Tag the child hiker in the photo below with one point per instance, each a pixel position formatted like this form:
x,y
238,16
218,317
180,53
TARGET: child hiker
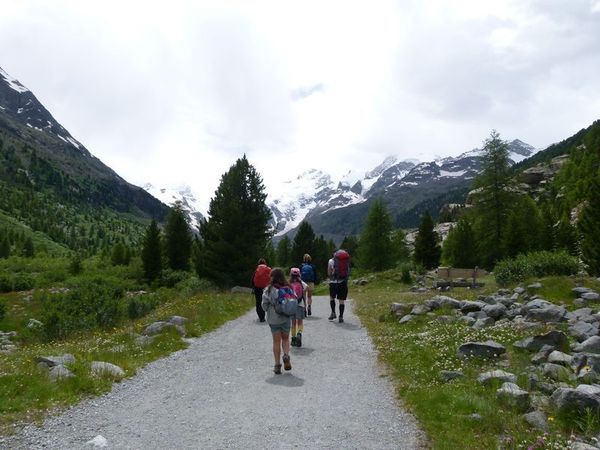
x,y
300,288
280,324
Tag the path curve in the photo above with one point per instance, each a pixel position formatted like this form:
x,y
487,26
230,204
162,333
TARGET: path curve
x,y
221,393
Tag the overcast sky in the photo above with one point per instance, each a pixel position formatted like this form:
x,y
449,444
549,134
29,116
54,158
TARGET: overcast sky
x,y
174,91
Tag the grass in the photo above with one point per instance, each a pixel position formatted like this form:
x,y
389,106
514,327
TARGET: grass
x,y
462,413
26,394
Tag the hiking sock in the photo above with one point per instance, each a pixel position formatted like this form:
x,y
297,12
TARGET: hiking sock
x,y
342,307
301,328
294,329
332,304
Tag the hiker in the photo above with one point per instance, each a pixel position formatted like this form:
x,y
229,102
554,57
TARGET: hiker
x,y
280,324
260,280
300,288
338,270
308,272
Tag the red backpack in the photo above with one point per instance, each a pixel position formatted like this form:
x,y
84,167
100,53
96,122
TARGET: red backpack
x,y
341,264
262,276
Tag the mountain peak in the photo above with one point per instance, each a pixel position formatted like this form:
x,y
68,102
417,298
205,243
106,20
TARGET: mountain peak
x,y
12,83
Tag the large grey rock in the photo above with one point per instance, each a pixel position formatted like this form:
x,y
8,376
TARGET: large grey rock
x,y
590,296
590,345
467,320
568,400
557,372
519,290
490,377
447,302
487,349
557,357
104,368
34,324
160,326
241,290
142,341
555,338
406,318
52,361
582,331
484,323
469,306
581,290
583,314
477,315
449,375
548,314
495,311
537,304
59,372
513,395
401,309
582,446
420,310
537,419
178,320
542,356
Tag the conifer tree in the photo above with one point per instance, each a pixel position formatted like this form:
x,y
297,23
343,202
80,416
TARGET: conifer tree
x,y
375,245
304,242
494,201
523,229
427,250
459,248
269,252
589,227
178,239
566,235
237,230
350,244
117,256
151,252
320,257
4,247
28,249
284,251
401,251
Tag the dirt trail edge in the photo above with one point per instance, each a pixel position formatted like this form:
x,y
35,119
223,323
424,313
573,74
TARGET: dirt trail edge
x,y
221,393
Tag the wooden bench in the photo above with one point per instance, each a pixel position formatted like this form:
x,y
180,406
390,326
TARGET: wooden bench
x,y
456,277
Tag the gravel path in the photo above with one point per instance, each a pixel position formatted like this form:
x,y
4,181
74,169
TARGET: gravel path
x,y
221,393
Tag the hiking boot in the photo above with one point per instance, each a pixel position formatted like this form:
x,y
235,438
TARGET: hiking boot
x,y
332,316
299,340
294,341
277,369
341,319
287,365
305,313
308,311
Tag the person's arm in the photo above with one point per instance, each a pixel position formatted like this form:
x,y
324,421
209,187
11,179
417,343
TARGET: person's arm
x,y
266,299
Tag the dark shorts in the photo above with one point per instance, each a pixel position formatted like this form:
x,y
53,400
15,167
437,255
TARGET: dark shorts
x,y
339,290
281,328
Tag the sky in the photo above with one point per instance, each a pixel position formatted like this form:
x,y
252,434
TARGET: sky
x,y
174,92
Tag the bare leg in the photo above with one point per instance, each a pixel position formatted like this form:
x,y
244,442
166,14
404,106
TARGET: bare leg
x,y
309,296
277,347
284,338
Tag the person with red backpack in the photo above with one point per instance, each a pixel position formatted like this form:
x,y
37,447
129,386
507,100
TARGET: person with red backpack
x,y
260,280
300,288
338,270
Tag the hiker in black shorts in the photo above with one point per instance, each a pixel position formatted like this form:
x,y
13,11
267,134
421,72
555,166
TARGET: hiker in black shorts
x,y
338,269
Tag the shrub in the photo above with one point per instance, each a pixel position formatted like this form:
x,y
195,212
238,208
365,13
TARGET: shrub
x,y
405,276
92,304
141,305
169,278
192,285
2,309
5,283
536,264
22,282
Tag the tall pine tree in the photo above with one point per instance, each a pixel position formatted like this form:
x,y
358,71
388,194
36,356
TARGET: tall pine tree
x,y
459,247
589,226
375,245
304,242
151,252
427,249
178,239
284,252
237,229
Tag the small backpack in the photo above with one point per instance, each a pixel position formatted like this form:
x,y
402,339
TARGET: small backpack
x,y
307,272
341,264
262,276
286,304
298,290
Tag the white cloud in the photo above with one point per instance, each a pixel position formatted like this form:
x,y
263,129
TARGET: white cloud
x,y
173,92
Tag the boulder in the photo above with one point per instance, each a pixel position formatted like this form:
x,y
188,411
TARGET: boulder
x,y
487,349
590,345
580,290
537,419
542,356
104,368
514,396
447,302
584,314
401,309
582,331
495,311
420,310
557,357
449,375
59,372
469,321
34,324
590,296
477,315
52,361
241,290
555,338
406,318
569,400
493,376
484,323
538,303
556,372
142,341
178,320
519,290
468,306
160,326
537,285
582,446
548,314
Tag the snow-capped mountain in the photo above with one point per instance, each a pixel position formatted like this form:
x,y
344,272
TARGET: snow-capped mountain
x,y
182,194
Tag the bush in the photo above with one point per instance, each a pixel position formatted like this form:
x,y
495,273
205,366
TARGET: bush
x,y
405,276
536,264
92,304
192,285
16,282
141,305
169,278
2,309
5,283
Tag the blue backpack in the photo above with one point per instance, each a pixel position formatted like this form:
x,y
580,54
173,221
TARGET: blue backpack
x,y
307,272
286,304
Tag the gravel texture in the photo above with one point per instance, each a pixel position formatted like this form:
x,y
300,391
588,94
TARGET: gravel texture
x,y
221,393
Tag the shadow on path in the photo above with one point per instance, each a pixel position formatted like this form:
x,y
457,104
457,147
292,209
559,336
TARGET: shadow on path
x,y
287,380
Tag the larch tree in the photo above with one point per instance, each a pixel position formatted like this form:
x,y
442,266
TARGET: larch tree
x,y
152,252
375,248
589,227
427,248
178,239
304,242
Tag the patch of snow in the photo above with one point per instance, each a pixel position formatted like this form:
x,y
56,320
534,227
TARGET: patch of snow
x,y
29,125
20,111
62,138
183,194
2,107
445,173
13,83
73,142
